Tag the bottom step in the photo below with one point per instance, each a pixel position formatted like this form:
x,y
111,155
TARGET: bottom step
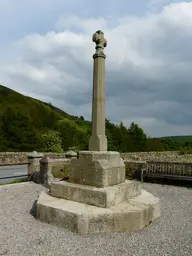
x,y
87,219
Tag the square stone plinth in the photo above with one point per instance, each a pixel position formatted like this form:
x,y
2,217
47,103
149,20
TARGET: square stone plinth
x,y
101,197
97,168
86,219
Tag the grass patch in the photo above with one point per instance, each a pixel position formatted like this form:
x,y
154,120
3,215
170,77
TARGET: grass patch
x,y
14,181
59,174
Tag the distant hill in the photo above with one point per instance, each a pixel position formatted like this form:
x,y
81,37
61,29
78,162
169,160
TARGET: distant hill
x,y
29,124
179,139
24,120
175,143
8,96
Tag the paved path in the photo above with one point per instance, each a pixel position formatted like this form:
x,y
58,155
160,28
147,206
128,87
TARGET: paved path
x,y
8,173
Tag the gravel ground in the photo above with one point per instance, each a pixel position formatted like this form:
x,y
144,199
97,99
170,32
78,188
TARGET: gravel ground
x,y
21,234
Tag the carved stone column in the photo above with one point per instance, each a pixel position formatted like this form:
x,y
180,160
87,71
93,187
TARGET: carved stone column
x,y
98,140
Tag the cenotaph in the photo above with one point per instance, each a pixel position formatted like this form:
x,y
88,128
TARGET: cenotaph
x,y
97,197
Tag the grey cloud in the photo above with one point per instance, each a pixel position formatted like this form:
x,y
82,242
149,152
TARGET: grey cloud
x,y
152,84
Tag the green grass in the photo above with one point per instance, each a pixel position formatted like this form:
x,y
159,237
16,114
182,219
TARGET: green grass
x,y
61,173
14,181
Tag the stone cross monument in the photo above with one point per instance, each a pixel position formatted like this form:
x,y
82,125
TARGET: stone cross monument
x,y
98,140
97,197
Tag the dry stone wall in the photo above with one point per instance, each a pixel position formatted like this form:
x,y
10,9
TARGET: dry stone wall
x,y
21,157
170,163
166,156
13,157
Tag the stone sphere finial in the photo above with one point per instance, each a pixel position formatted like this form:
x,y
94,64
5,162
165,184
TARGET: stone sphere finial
x,y
100,41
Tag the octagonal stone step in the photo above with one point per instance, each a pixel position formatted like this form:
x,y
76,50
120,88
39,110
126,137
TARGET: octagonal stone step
x,y
86,219
101,197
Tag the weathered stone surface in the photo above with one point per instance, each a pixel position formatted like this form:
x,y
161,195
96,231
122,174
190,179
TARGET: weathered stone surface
x,y
33,160
146,198
45,174
101,197
35,154
98,139
164,156
85,219
100,169
71,153
64,213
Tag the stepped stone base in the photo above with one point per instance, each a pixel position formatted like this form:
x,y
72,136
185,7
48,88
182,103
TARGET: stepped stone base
x,y
85,219
97,198
101,197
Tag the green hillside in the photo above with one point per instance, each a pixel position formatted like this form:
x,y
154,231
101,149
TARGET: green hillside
x,y
183,144
28,124
179,139
24,120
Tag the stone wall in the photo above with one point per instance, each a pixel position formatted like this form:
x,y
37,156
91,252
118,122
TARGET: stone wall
x,y
21,157
167,156
170,163
13,157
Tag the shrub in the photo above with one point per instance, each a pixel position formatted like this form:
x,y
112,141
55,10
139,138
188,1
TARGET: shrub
x,y
52,142
184,151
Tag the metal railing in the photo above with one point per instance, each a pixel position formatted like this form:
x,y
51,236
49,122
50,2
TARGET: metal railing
x,y
14,164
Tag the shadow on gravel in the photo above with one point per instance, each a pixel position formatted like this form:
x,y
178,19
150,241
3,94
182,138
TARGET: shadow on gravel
x,y
178,183
33,209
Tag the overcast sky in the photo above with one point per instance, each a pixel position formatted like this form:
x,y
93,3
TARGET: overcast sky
x,y
46,52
